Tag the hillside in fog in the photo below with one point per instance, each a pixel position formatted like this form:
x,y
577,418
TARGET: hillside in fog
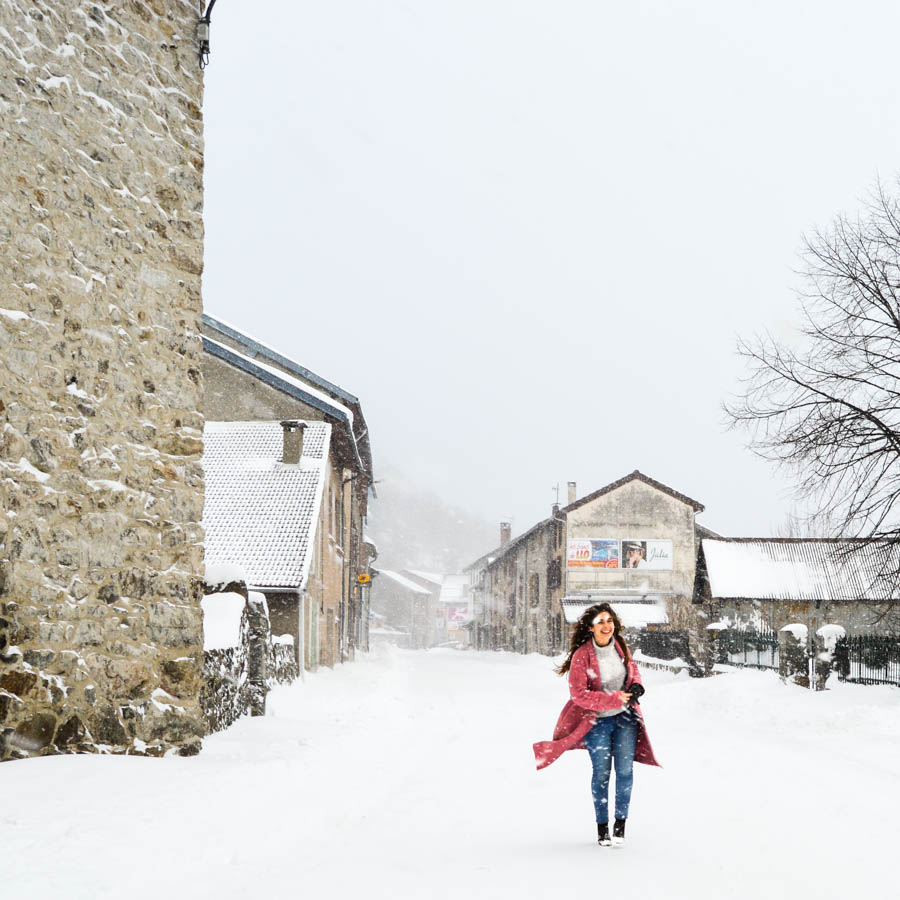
x,y
417,529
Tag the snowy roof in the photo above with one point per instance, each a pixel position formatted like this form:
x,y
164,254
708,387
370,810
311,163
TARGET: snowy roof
x,y
259,513
453,589
426,576
799,569
260,348
631,614
406,583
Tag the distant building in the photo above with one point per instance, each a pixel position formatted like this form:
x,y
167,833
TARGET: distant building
x,y
453,619
632,542
402,603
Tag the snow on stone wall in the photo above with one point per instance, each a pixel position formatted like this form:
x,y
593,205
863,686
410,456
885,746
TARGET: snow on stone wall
x,y
101,489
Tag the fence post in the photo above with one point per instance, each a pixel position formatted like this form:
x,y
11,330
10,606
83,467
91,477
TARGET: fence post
x,y
827,638
793,659
712,646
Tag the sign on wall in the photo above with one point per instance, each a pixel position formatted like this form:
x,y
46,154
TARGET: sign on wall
x,y
641,554
610,553
602,553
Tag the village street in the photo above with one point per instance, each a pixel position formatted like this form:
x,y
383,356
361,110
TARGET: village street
x,y
410,773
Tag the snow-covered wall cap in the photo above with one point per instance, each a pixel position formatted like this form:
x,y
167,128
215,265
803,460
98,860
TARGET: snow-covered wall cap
x,y
222,621
258,598
223,573
830,635
717,626
836,631
798,630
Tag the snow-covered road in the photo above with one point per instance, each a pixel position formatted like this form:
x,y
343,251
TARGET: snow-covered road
x,y
410,774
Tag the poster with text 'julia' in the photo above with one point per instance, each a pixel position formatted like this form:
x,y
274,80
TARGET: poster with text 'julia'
x,y
638,553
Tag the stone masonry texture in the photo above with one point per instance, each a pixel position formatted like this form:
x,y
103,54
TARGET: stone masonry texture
x,y
101,486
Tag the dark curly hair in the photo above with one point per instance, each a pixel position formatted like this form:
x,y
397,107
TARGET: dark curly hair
x,y
581,632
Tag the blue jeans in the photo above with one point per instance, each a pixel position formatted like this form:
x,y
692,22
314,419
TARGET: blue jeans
x,y
612,738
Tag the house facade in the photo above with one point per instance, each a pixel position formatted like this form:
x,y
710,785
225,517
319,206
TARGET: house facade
x,y
632,542
406,604
245,381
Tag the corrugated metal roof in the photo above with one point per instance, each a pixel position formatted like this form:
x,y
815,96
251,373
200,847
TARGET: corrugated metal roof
x,y
259,513
799,569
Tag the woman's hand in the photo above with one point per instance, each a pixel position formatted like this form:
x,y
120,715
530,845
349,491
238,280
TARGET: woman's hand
x,y
624,697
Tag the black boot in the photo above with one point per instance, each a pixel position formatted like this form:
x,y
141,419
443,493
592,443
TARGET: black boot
x,y
618,834
603,838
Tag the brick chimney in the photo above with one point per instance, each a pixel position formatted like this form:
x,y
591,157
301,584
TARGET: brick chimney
x,y
571,492
292,445
505,533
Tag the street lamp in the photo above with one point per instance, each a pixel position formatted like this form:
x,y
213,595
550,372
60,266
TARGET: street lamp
x,y
203,35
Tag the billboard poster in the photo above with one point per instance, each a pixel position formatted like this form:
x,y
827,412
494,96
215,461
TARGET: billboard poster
x,y
600,553
643,554
611,553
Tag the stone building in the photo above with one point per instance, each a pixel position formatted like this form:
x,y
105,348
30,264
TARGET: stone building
x,y
270,511
769,583
246,381
101,488
632,541
406,604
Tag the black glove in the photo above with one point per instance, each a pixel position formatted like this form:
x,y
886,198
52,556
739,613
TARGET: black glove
x,y
636,691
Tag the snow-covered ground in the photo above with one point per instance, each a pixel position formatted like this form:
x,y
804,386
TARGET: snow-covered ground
x,y
410,774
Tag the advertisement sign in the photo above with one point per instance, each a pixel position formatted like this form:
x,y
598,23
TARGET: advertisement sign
x,y
600,553
642,554
609,553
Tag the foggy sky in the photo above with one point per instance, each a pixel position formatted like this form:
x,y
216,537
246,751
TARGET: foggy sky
x,y
527,234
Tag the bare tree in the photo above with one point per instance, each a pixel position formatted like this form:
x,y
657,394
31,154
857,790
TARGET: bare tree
x,y
829,409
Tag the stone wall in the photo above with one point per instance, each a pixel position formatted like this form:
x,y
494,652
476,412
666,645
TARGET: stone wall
x,y
237,676
101,488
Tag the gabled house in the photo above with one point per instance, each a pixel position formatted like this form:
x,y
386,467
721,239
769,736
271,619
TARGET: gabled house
x,y
244,381
268,510
403,603
633,541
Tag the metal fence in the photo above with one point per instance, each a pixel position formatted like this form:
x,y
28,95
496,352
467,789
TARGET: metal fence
x,y
662,644
755,648
868,659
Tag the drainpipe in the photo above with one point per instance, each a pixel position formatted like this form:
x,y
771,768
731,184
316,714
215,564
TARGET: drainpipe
x,y
346,541
301,631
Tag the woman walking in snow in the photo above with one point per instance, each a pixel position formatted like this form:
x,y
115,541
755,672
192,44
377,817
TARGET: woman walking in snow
x,y
603,715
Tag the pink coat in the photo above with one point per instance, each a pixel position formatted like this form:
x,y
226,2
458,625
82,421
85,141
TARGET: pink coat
x,y
588,698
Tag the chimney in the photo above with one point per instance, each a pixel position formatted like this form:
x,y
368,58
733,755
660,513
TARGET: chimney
x,y
505,533
554,510
292,446
571,492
